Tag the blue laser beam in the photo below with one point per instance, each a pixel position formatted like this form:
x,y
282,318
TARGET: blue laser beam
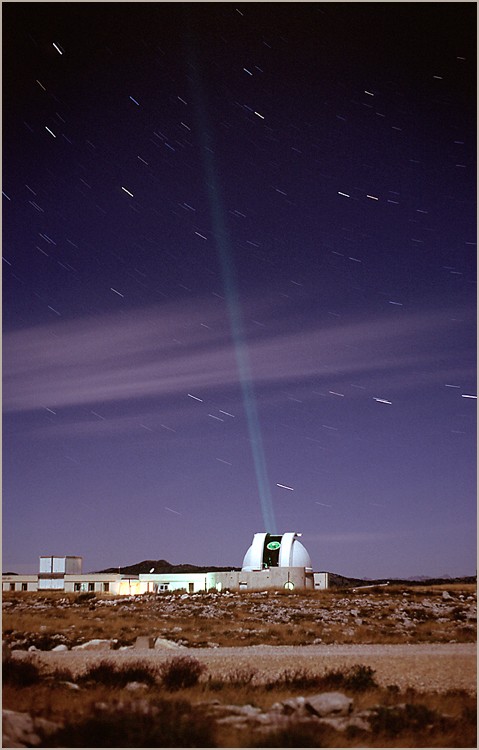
x,y
225,256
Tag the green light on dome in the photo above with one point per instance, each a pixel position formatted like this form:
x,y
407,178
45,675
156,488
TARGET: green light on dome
x,y
273,545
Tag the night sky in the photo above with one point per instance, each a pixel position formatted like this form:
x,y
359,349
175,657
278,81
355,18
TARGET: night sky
x,y
239,251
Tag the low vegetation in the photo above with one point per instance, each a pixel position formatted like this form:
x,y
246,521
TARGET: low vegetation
x,y
393,614
118,676
106,715
179,703
168,723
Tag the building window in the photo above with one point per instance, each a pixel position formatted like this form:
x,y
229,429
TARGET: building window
x,y
191,588
163,587
24,587
77,587
91,587
106,587
12,587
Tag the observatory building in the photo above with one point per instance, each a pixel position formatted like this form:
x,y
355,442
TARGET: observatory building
x,y
273,561
277,551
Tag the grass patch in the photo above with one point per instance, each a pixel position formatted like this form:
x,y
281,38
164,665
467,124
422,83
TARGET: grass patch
x,y
181,672
118,676
392,720
357,678
20,674
166,724
296,735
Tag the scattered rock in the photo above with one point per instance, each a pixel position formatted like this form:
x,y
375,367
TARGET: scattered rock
x,y
165,643
60,647
325,704
290,706
22,730
97,644
135,686
446,595
70,685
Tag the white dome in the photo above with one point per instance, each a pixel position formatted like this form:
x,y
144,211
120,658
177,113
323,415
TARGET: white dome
x,y
276,550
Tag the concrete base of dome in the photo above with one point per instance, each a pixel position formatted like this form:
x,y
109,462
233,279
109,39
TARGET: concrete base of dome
x,y
268,578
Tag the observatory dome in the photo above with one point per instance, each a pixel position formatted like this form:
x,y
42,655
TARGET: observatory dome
x,y
276,551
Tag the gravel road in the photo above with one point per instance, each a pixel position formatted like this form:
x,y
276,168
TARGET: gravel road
x,y
437,666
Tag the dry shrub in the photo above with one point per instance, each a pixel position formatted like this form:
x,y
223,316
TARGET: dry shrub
x,y
295,735
294,679
394,720
59,675
167,724
20,674
357,678
118,676
181,672
241,676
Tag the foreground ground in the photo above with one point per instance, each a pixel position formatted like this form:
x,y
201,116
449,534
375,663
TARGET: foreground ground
x,y
432,667
402,662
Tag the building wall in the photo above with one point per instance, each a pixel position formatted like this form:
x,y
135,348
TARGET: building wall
x,y
56,564
19,583
279,578
99,583
321,580
46,583
189,582
269,578
116,584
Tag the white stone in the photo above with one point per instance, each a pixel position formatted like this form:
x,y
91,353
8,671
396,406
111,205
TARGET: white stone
x,y
60,647
294,705
21,730
165,643
325,704
134,686
97,644
70,685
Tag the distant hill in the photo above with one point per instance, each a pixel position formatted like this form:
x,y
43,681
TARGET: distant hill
x,y
339,581
163,566
335,579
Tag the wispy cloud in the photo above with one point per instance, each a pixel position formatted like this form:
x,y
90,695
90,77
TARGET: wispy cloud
x,y
165,351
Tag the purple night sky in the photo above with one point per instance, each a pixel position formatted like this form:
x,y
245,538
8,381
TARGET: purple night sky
x,y
239,283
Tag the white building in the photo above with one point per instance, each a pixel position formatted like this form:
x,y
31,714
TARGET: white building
x,y
273,561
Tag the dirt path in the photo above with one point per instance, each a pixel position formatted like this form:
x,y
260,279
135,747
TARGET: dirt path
x,y
438,667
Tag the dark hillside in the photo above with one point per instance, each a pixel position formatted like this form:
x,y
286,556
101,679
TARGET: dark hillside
x,y
335,579
163,566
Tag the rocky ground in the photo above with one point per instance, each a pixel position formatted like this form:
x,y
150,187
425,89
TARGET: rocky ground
x,y
206,620
418,642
